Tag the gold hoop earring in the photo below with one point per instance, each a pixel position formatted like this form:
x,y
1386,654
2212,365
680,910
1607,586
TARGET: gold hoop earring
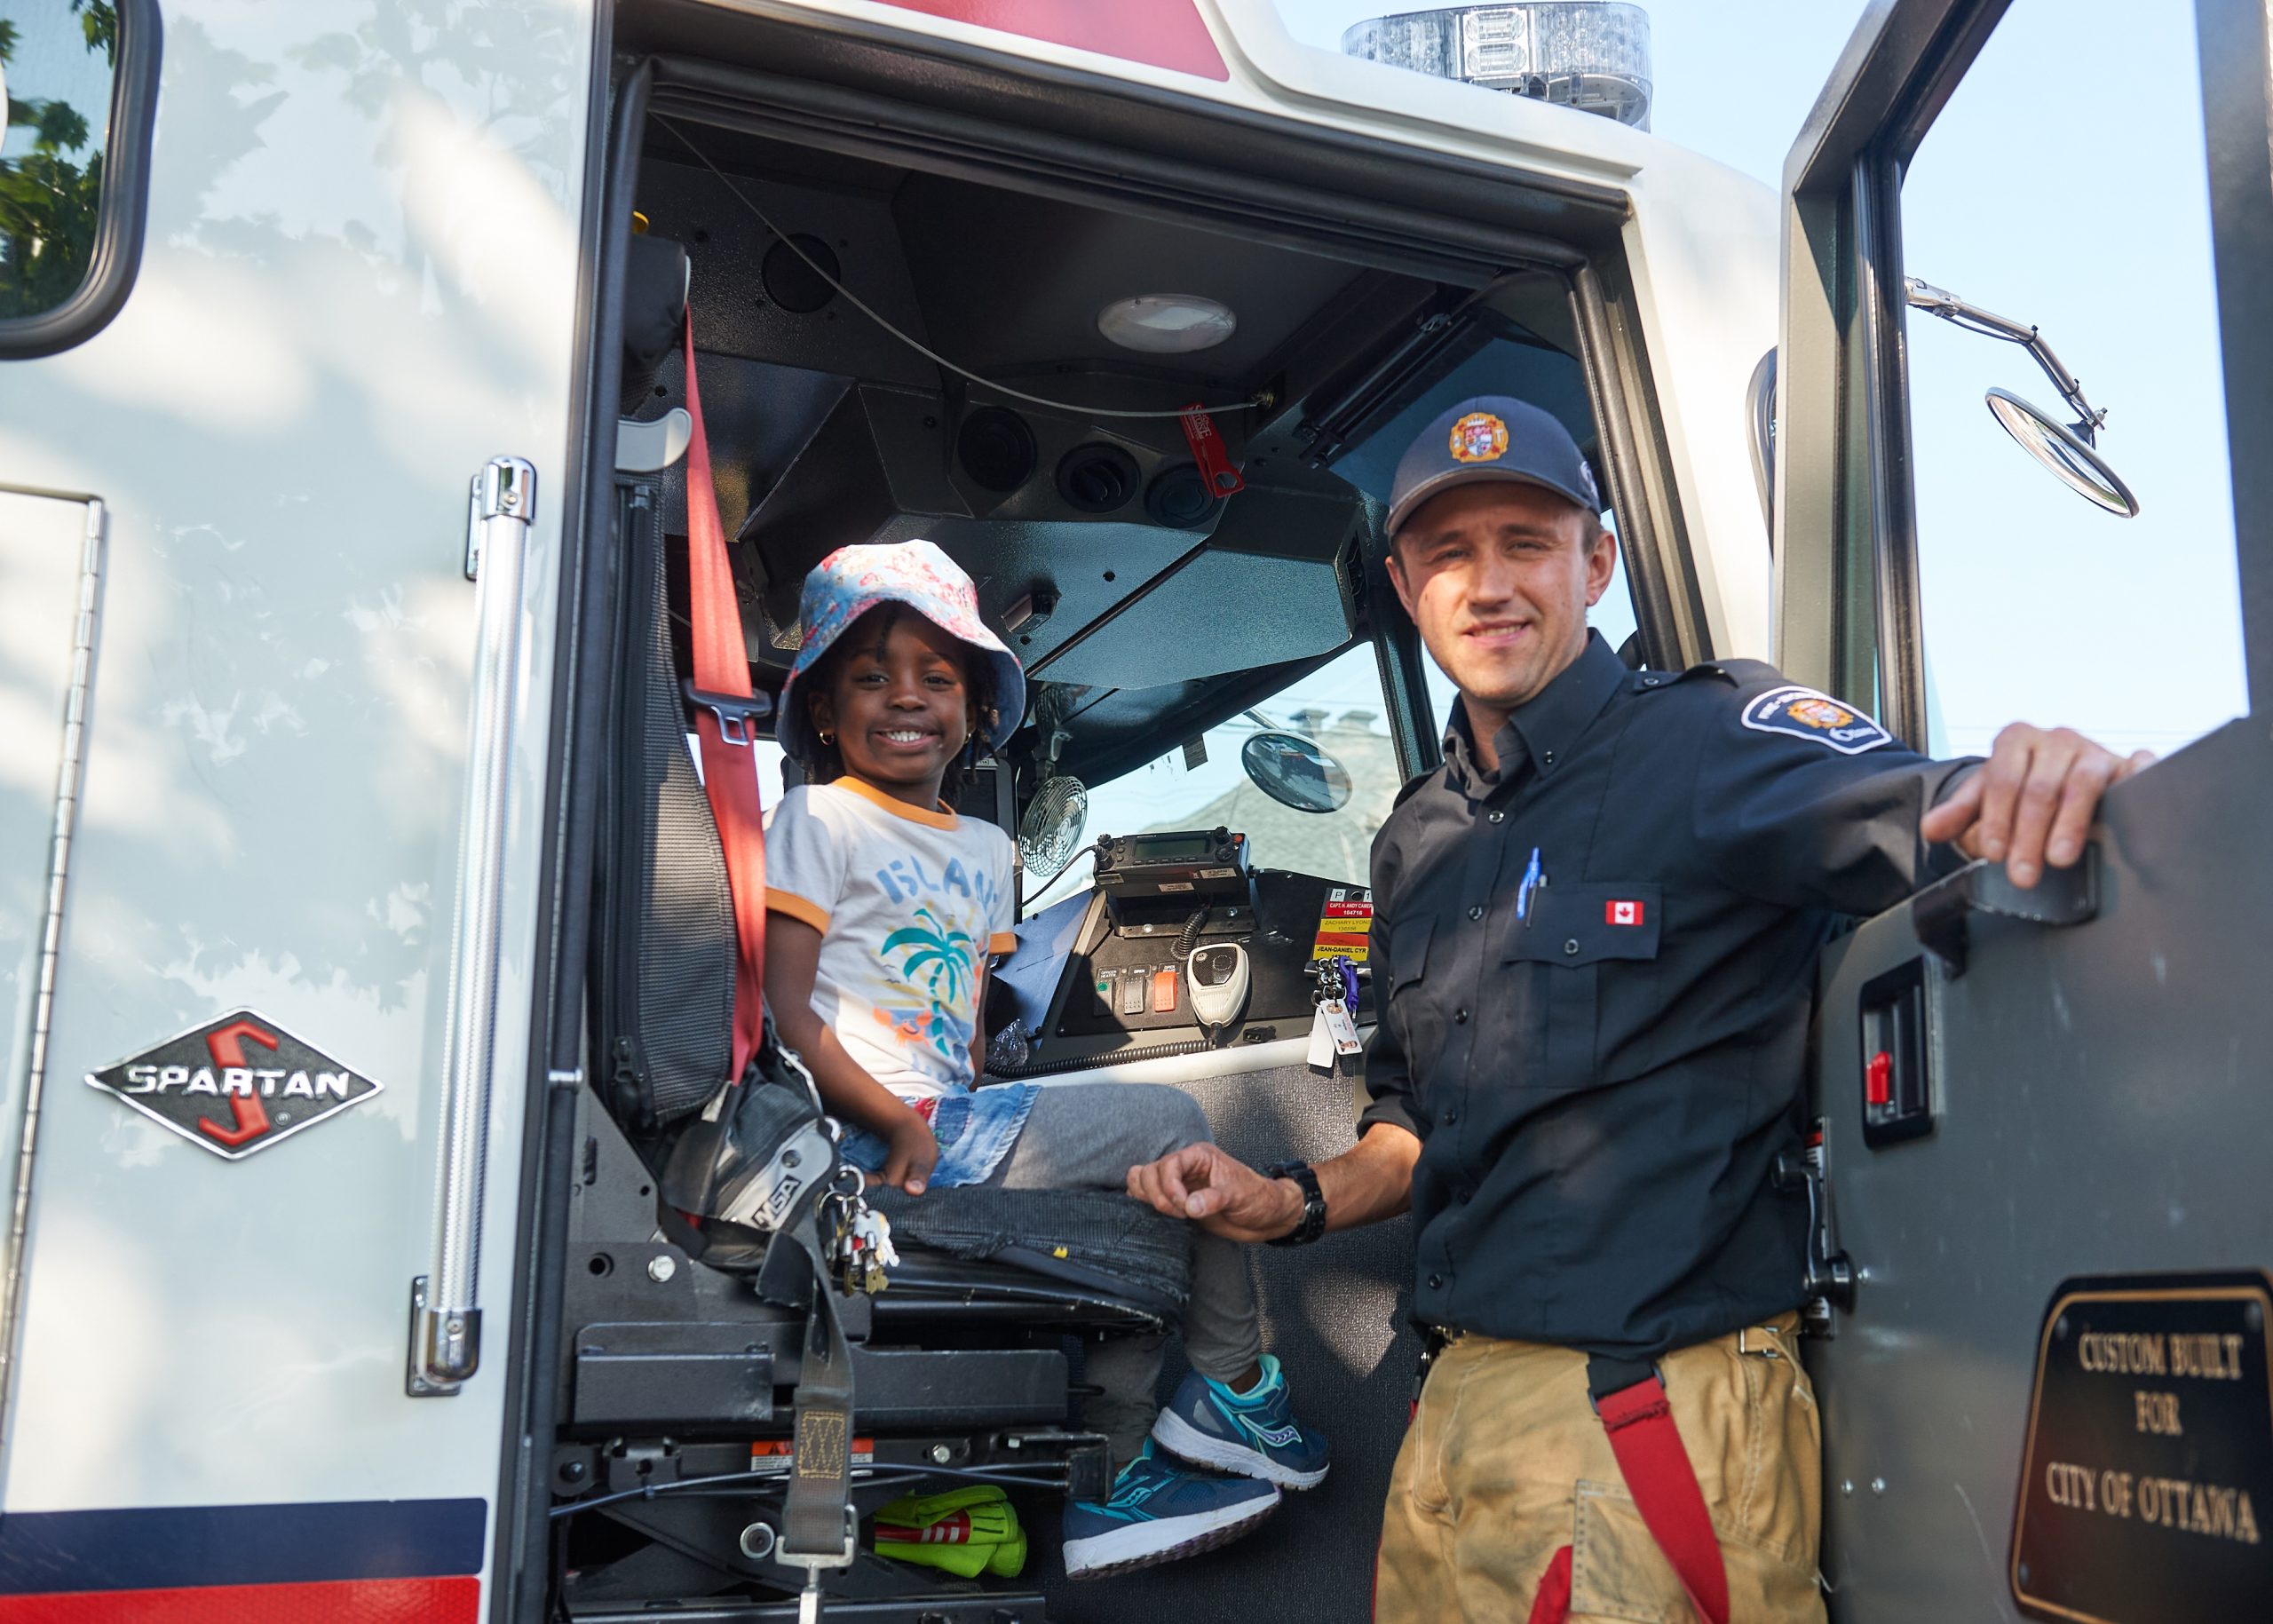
x,y
828,740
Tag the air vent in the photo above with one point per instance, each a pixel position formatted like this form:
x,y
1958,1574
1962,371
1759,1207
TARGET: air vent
x,y
1179,498
790,279
1096,477
995,448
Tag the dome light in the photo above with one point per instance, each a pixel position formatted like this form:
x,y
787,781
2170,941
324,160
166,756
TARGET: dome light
x,y
1589,54
1167,323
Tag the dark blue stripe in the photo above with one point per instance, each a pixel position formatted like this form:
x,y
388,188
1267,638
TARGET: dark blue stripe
x,y
158,1546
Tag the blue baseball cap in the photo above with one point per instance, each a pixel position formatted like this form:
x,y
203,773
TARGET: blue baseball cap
x,y
1491,437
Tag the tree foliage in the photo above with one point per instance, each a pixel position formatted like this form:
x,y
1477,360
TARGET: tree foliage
x,y
51,196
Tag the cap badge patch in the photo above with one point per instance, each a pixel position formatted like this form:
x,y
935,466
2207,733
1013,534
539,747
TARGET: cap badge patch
x,y
235,1085
1805,714
1480,437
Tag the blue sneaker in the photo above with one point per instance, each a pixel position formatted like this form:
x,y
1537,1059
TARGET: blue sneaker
x,y
1253,1433
1159,1511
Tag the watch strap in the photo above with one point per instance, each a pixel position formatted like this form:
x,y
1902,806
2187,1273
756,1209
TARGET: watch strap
x,y
1311,1224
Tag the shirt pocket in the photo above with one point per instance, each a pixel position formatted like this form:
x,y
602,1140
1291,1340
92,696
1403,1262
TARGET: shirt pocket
x,y
1573,937
1402,1002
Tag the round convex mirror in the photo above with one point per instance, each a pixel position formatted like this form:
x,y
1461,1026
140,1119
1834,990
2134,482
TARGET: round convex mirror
x,y
2059,448
1294,772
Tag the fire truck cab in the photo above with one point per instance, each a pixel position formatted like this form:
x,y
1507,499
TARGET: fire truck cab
x,y
344,648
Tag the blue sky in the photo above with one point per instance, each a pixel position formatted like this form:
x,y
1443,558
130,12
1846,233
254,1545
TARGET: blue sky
x,y
2063,186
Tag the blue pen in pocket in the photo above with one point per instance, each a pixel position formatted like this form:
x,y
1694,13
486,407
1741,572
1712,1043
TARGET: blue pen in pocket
x,y
1534,876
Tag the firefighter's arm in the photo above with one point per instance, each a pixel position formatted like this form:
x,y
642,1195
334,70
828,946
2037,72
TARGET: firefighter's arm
x,y
1371,1181
2032,802
792,956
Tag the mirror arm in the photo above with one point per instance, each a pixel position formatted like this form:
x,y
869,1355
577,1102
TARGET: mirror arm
x,y
1961,312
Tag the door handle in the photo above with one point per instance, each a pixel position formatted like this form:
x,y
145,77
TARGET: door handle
x,y
1939,913
446,1311
1829,1282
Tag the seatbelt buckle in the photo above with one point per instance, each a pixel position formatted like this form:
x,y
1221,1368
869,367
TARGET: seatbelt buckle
x,y
809,1599
733,710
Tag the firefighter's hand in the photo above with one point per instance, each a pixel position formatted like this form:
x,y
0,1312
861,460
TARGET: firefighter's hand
x,y
2032,802
910,1154
1219,1192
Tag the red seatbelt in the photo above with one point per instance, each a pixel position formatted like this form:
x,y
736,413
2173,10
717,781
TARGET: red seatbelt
x,y
729,765
1657,1474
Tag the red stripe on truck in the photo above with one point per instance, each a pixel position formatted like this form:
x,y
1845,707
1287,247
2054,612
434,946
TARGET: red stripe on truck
x,y
344,1601
1160,33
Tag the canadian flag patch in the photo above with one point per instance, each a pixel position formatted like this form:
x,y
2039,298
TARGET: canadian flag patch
x,y
1622,913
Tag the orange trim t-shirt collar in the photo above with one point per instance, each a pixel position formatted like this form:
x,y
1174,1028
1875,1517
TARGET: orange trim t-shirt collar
x,y
943,819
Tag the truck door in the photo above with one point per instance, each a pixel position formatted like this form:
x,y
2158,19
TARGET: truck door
x,y
276,284
2045,1214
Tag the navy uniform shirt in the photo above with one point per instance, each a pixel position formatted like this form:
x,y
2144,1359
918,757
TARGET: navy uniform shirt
x,y
1601,1087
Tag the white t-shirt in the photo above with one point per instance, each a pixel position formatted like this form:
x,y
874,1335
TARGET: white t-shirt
x,y
909,903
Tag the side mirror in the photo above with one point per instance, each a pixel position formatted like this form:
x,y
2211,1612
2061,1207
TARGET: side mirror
x,y
1294,772
2059,447
2069,450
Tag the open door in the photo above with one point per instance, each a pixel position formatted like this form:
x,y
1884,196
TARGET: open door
x,y
2047,1221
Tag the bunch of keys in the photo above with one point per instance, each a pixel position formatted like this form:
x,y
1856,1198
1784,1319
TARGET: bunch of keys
x,y
859,1239
1333,1033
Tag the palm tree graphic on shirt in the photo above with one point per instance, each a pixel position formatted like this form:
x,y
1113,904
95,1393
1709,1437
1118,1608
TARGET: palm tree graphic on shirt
x,y
934,958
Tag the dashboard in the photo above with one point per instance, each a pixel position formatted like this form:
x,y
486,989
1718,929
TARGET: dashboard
x,y
1111,975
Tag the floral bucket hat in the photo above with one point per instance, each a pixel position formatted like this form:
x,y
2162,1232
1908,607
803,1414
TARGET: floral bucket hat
x,y
851,582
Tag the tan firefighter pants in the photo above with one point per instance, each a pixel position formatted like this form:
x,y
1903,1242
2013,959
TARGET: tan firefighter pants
x,y
1506,1463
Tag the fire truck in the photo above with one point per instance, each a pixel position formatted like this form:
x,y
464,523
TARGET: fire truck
x,y
346,663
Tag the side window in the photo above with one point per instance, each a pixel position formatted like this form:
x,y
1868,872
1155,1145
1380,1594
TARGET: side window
x,y
80,78
2037,603
1339,709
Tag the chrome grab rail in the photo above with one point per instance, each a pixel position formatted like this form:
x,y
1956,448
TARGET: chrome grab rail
x,y
445,1313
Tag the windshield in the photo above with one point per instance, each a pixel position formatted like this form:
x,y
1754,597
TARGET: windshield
x,y
1339,706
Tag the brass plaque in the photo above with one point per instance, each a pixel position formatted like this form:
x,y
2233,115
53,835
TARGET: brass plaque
x,y
2147,1481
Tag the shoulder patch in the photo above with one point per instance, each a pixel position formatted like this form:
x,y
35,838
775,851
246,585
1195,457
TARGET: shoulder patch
x,y
1817,718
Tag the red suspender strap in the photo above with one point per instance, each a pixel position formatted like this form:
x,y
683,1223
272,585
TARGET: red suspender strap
x,y
1664,1485
729,765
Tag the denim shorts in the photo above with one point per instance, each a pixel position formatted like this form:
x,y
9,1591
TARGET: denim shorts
x,y
975,1132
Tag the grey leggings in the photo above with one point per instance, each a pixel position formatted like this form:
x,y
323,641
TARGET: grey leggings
x,y
1085,1135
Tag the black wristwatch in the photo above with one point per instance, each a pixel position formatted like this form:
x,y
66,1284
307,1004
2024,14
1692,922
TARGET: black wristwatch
x,y
1312,1223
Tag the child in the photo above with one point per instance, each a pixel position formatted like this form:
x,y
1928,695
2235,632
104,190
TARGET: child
x,y
885,907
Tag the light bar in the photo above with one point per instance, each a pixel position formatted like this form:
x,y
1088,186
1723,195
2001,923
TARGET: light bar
x,y
1589,54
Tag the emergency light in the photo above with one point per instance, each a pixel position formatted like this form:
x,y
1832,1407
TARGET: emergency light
x,y
1589,54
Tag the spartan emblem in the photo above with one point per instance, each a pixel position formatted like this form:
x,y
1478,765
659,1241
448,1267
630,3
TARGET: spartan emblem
x,y
235,1085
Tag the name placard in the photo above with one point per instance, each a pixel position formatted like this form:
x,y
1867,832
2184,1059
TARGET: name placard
x,y
2146,1491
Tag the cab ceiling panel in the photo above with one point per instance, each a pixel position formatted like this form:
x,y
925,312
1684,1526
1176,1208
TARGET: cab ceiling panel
x,y
1013,281
753,297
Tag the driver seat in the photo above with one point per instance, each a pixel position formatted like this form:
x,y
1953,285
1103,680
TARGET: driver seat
x,y
663,965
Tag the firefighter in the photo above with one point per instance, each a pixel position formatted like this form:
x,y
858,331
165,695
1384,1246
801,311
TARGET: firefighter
x,y
1594,941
